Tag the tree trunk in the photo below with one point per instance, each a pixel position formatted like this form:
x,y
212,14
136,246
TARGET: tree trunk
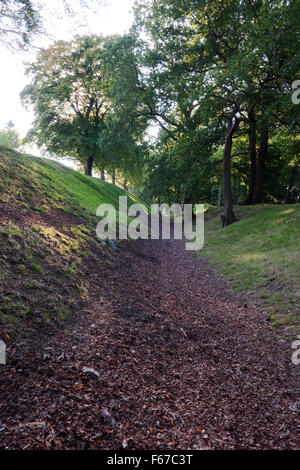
x,y
258,194
102,175
228,217
252,157
88,166
235,198
113,177
219,195
125,184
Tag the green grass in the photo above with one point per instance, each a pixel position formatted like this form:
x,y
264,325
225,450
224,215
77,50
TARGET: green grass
x,y
47,238
22,176
260,254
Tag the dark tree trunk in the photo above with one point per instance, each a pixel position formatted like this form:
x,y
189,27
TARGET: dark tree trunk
x,y
228,217
113,177
258,194
88,166
219,195
125,184
102,175
235,198
252,157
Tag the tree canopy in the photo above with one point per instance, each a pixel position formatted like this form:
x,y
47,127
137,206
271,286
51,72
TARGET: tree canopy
x,y
221,70
215,77
69,95
9,137
22,20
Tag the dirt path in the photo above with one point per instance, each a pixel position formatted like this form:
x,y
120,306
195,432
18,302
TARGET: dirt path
x,y
182,364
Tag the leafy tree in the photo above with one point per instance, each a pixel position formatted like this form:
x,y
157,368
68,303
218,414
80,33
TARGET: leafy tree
x,y
22,20
9,137
122,152
190,55
19,21
85,106
225,66
123,139
69,96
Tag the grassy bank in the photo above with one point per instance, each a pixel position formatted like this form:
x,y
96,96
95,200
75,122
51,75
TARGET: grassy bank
x,y
24,177
260,255
48,244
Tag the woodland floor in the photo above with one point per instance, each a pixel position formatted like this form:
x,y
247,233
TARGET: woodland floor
x,y
182,363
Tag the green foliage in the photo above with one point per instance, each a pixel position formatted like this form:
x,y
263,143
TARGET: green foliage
x,y
123,139
22,20
207,61
178,170
19,21
79,92
68,93
9,137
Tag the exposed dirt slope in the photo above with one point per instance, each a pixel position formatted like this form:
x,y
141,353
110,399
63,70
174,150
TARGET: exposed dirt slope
x,y
47,241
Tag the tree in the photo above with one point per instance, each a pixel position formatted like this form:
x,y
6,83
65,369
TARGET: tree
x,y
69,96
123,139
122,152
9,137
21,20
275,39
196,50
221,65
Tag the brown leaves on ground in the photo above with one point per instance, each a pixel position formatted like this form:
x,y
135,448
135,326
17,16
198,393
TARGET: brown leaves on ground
x,y
182,364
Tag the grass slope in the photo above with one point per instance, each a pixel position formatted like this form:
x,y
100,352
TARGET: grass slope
x,y
260,255
48,243
59,186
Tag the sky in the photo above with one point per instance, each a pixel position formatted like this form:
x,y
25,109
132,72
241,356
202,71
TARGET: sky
x,y
113,16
